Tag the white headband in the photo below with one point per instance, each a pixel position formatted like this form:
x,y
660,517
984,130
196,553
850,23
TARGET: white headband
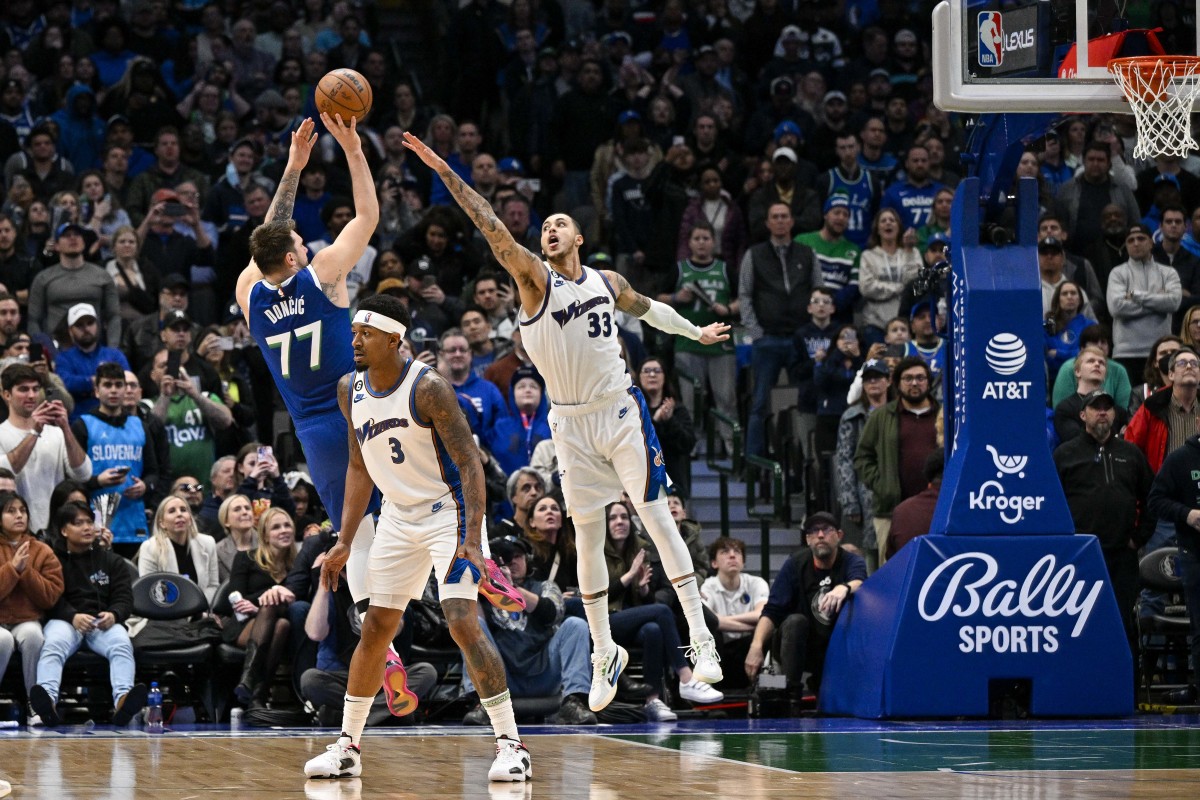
x,y
380,321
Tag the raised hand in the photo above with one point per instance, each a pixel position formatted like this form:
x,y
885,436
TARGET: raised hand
x,y
303,139
431,159
346,136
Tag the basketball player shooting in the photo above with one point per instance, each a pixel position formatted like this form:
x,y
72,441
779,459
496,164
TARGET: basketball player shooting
x,y
408,436
599,422
298,314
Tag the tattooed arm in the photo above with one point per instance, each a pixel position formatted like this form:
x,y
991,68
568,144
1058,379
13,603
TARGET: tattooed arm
x,y
436,401
660,315
525,267
333,263
303,139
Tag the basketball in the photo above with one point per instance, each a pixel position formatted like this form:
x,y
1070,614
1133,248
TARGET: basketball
x,y
345,92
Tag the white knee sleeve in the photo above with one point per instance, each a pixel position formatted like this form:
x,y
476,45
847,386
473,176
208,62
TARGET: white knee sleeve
x,y
589,544
676,560
360,555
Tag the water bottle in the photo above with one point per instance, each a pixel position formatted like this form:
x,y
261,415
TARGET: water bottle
x,y
235,597
154,710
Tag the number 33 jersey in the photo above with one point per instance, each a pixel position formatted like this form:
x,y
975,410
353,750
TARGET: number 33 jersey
x,y
572,339
404,455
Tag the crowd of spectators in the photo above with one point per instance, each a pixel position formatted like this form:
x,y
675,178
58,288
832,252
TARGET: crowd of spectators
x,y
778,165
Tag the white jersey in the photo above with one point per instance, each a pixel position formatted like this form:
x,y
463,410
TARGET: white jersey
x,y
572,339
404,455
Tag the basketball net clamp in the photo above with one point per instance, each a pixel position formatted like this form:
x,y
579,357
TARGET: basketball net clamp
x,y
1161,91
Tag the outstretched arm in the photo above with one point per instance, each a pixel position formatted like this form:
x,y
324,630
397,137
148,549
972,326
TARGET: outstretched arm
x,y
334,263
661,315
525,267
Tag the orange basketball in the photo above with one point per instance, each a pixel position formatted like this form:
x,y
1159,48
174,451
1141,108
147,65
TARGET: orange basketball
x,y
345,92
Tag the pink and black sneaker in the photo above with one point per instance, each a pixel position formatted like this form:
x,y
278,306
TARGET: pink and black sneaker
x,y
497,591
401,702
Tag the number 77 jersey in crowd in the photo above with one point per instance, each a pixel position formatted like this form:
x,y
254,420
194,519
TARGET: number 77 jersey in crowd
x,y
305,340
403,453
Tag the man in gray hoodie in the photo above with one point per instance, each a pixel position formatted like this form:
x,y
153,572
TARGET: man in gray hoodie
x,y
1142,296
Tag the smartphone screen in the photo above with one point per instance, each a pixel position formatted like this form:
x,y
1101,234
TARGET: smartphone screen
x,y
174,362
36,352
894,351
266,452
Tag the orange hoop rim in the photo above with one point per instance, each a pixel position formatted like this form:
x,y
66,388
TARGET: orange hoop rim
x,y
1179,66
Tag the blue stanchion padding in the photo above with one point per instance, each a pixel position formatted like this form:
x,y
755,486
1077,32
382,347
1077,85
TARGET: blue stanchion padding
x,y
999,476
928,632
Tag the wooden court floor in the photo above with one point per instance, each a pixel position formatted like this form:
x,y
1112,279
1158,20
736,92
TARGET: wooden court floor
x,y
744,760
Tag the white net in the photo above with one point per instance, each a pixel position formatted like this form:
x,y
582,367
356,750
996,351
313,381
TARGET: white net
x,y
1161,91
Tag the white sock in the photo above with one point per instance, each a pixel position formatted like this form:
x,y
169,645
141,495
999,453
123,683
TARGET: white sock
x,y
596,611
500,711
354,717
693,608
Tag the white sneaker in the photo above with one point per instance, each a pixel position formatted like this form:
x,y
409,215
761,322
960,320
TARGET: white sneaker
x,y
658,711
512,762
699,692
606,668
706,663
32,721
340,760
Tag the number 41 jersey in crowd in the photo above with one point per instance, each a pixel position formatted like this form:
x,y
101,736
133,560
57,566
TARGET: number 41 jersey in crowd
x,y
305,340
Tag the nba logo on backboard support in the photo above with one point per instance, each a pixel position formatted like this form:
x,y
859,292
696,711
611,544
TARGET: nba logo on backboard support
x,y
991,38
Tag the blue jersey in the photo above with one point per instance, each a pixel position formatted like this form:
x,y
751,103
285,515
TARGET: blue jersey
x,y
305,340
914,204
861,194
108,447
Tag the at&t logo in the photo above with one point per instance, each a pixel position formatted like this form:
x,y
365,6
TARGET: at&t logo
x,y
1006,355
991,38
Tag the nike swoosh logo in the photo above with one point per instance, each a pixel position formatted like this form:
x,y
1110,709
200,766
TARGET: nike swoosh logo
x,y
622,413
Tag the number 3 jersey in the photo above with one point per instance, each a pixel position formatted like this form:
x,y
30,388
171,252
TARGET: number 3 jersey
x,y
305,340
403,453
572,339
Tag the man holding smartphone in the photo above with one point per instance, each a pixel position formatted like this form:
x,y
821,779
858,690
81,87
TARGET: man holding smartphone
x,y
116,443
36,442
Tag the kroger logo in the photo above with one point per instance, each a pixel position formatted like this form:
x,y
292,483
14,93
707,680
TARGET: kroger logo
x,y
992,496
1005,353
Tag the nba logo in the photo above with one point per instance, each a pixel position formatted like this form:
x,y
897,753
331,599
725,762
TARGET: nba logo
x,y
991,38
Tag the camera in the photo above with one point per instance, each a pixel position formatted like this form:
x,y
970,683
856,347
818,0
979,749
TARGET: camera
x,y
174,209
930,277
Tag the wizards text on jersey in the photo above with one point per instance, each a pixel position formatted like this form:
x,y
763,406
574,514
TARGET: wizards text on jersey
x,y
577,309
370,429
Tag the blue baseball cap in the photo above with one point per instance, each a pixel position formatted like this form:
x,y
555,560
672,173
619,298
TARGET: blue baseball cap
x,y
629,116
511,165
837,200
69,226
937,238
786,127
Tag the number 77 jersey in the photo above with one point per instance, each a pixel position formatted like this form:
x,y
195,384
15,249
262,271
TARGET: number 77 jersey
x,y
305,340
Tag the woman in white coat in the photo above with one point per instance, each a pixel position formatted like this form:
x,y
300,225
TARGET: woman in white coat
x,y
178,547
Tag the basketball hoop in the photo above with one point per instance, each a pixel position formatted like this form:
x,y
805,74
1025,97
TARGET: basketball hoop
x,y
1161,90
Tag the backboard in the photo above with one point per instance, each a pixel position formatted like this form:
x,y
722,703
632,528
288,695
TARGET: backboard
x,y
1048,56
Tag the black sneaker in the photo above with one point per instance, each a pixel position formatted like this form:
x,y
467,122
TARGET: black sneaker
x,y
477,716
43,706
133,702
574,712
1178,697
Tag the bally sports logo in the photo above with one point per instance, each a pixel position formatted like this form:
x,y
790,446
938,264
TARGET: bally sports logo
x,y
1046,592
1006,355
991,38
